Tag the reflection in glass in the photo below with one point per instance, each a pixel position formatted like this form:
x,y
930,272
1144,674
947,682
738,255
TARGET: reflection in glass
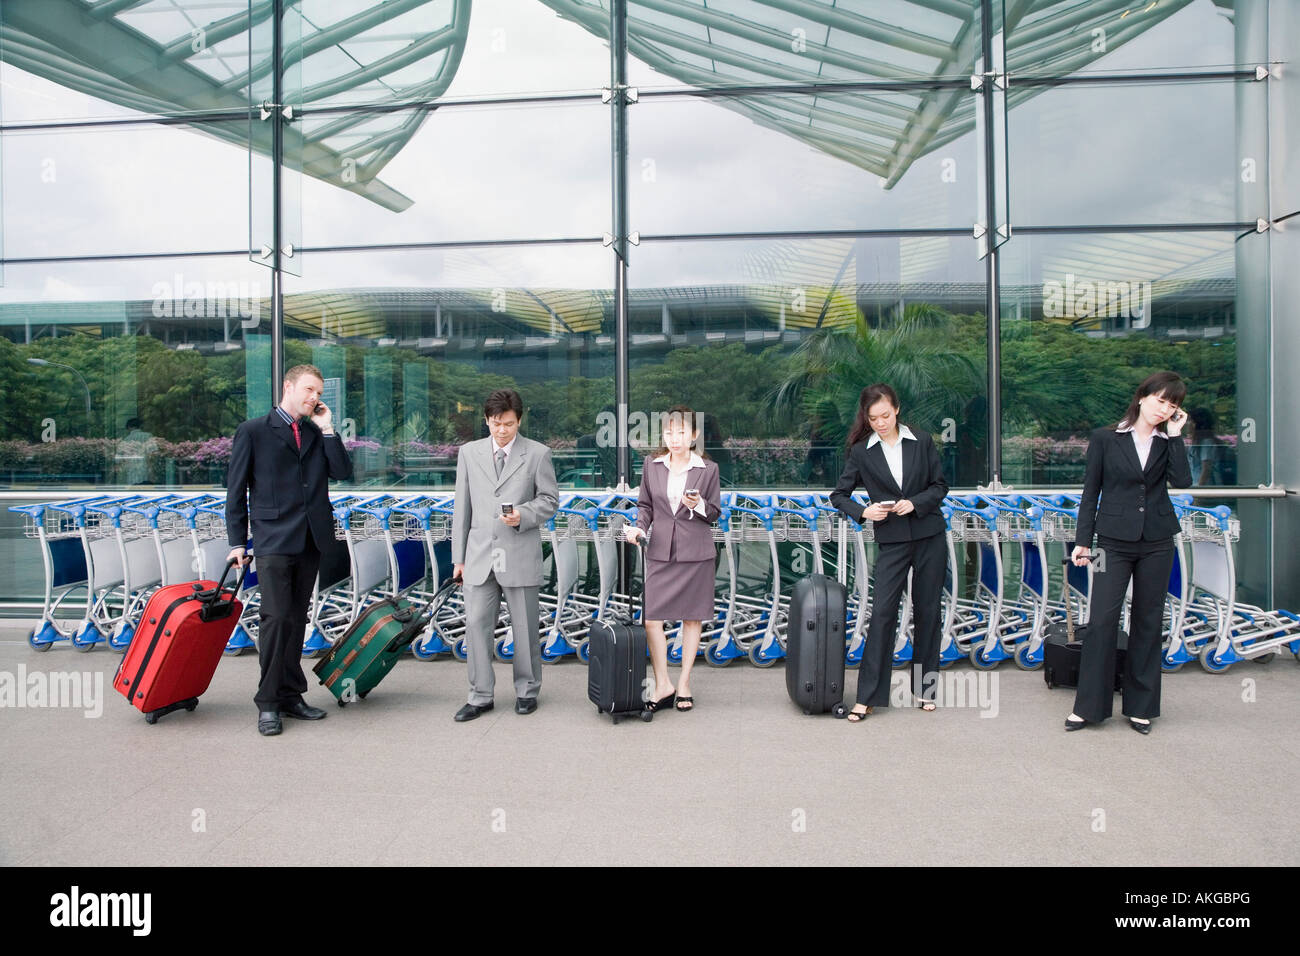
x,y
414,341
776,339
1087,317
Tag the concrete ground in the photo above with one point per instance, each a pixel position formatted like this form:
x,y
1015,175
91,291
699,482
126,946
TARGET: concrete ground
x,y
746,779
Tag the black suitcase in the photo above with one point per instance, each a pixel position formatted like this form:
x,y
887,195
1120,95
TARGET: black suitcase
x,y
616,667
1063,650
814,645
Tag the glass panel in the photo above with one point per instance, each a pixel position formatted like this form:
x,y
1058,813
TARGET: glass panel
x,y
1086,317
126,189
405,51
416,340
160,58
1138,153
139,370
693,43
774,340
1076,37
465,173
268,110
775,163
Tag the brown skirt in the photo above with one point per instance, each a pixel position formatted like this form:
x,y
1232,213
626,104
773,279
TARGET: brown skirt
x,y
679,590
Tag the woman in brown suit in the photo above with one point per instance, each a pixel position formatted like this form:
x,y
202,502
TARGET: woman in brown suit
x,y
676,509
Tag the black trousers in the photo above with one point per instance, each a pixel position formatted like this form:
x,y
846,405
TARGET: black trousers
x,y
285,582
1147,564
927,558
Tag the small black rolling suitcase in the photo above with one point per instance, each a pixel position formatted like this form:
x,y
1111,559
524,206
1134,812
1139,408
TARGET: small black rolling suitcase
x,y
1063,650
814,651
616,666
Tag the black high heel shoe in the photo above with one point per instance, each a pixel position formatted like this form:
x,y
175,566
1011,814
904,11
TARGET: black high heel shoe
x,y
663,703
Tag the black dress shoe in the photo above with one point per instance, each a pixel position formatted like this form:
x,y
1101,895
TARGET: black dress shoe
x,y
268,723
1140,728
1074,724
525,705
470,711
301,710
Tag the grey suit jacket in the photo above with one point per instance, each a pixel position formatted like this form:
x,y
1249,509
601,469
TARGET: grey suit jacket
x,y
479,538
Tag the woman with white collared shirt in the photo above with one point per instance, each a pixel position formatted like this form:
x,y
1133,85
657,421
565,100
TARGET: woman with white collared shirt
x,y
678,504
1125,501
902,473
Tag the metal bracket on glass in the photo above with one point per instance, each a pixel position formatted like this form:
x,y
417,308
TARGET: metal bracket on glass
x,y
634,238
287,251
267,108
265,252
607,239
1261,73
1261,225
999,80
630,93
1004,231
980,231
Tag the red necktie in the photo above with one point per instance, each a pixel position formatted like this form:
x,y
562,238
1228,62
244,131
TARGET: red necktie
x,y
296,437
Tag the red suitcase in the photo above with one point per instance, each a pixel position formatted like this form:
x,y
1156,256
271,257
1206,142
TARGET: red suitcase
x,y
177,646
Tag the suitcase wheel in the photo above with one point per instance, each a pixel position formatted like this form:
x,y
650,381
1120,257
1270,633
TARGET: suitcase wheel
x,y
191,704
342,702
362,695
647,715
839,711
151,718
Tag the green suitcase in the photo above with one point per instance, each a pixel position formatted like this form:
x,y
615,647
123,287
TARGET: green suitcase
x,y
374,642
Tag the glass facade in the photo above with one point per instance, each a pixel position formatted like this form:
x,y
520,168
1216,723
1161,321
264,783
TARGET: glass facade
x,y
1014,211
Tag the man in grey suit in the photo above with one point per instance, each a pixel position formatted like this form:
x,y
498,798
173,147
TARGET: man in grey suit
x,y
505,491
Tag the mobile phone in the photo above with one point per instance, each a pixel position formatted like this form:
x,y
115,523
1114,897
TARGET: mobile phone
x,y
506,508
887,504
691,491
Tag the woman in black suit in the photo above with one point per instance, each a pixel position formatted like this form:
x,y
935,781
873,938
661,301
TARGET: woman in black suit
x,y
678,503
1130,466
901,472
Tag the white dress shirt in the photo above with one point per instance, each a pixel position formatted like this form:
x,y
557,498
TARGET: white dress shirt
x,y
894,452
677,483
497,449
1143,447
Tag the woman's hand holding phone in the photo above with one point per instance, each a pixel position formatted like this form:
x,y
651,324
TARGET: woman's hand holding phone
x,y
1174,427
878,510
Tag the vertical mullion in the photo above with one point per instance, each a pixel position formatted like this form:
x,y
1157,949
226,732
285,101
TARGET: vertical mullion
x,y
993,345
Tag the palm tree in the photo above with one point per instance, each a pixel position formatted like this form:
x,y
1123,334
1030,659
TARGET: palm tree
x,y
934,382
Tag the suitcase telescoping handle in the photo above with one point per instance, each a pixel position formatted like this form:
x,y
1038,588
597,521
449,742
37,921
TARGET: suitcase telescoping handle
x,y
639,544
1065,592
414,620
213,607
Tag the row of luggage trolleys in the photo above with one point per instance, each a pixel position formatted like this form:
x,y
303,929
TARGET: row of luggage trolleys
x,y
105,555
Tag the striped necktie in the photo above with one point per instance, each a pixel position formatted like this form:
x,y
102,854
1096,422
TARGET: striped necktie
x,y
297,437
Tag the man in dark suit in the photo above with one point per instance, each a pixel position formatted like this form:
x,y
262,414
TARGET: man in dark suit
x,y
280,468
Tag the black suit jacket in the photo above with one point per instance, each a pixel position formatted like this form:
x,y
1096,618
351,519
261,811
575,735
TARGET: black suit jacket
x,y
1134,503
923,485
283,489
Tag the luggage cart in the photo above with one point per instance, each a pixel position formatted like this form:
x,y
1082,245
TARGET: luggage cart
x,y
972,523
1243,631
756,520
108,560
56,527
427,519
